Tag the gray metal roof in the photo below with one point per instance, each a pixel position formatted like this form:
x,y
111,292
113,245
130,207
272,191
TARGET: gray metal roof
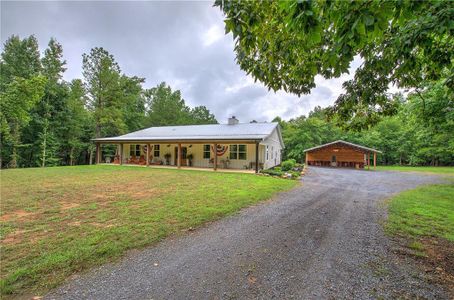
x,y
241,131
343,142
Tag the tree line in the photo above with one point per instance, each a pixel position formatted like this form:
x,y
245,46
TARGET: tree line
x,y
420,133
47,121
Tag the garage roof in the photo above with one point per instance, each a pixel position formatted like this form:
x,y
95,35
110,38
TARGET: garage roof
x,y
346,143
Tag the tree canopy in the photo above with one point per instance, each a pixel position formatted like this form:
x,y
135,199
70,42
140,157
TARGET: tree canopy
x,y
420,133
167,107
286,44
46,121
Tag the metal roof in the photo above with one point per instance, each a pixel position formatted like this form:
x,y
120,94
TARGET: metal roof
x,y
241,131
343,142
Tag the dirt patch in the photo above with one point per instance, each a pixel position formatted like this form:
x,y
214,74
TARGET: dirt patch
x,y
144,194
18,214
104,196
440,260
68,205
437,260
102,225
14,237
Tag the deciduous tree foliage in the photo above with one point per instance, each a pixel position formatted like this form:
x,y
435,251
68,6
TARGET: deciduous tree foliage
x,y
167,107
421,133
46,121
285,44
18,98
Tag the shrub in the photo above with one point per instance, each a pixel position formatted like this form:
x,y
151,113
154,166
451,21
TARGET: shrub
x,y
276,171
288,164
273,172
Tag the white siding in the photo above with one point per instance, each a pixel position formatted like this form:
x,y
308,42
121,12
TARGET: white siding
x,y
274,150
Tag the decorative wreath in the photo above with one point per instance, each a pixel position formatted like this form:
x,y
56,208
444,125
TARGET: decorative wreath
x,y
221,150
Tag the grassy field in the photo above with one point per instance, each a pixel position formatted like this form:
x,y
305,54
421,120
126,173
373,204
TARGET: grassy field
x,y
59,221
432,170
427,211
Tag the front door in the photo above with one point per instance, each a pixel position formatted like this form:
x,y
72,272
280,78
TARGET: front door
x,y
184,153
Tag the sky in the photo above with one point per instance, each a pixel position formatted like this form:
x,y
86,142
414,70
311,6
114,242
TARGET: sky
x,y
181,43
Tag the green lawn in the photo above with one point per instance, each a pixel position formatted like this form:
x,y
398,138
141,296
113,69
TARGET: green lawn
x,y
59,221
434,170
427,211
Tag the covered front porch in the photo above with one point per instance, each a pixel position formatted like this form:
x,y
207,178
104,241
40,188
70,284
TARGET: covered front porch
x,y
204,155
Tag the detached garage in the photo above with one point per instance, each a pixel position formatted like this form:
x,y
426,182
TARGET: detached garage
x,y
341,154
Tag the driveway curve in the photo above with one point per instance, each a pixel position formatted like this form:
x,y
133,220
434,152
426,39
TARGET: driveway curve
x,y
322,240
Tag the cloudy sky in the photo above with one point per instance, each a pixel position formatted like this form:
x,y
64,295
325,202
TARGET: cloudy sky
x,y
181,43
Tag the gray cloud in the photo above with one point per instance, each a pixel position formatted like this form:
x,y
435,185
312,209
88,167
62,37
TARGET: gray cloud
x,y
182,43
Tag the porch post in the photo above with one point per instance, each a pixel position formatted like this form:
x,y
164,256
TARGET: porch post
x,y
148,155
256,157
368,160
179,156
97,153
305,162
215,147
121,153
375,160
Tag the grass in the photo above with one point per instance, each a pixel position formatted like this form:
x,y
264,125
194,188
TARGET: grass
x,y
427,211
59,221
431,170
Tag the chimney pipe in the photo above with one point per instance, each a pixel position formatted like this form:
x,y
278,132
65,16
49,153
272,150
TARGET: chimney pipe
x,y
233,121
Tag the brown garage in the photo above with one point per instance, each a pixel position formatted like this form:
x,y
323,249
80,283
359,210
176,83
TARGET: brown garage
x,y
341,154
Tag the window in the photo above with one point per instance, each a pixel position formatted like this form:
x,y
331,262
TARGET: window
x,y
238,152
241,151
267,152
272,152
156,150
134,150
206,151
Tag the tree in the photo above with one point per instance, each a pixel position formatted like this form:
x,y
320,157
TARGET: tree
x,y
17,100
303,133
20,84
133,102
285,44
102,80
20,58
202,115
51,112
166,107
79,122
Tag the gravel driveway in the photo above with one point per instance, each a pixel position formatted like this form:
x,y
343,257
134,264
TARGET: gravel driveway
x,y
322,240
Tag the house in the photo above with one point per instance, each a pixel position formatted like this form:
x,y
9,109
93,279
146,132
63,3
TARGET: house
x,y
341,154
231,146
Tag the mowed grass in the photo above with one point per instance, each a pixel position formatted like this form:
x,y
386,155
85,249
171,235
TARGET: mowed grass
x,y
59,221
427,211
431,170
